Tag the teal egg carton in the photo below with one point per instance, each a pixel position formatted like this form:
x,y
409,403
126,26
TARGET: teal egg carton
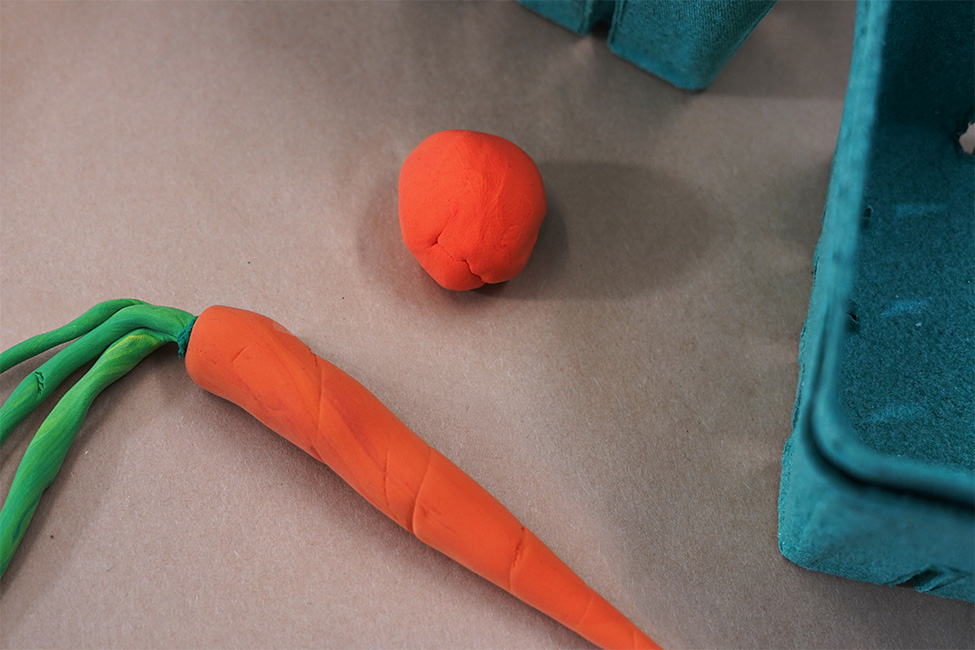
x,y
878,476
684,42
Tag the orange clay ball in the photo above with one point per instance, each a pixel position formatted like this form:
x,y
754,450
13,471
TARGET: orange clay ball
x,y
470,206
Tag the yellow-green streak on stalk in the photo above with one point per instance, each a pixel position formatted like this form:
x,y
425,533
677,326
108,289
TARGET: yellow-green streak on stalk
x,y
47,450
123,332
81,325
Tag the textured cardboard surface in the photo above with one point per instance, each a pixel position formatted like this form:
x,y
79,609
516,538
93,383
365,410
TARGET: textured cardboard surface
x,y
627,396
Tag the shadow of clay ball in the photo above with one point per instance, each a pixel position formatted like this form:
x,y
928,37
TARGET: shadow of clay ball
x,y
470,206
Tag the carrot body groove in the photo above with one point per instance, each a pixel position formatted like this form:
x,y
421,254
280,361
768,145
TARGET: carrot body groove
x,y
257,364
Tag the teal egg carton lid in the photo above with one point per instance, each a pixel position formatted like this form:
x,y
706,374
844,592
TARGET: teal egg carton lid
x,y
878,480
684,42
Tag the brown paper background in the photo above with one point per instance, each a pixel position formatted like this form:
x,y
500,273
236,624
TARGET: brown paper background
x,y
627,396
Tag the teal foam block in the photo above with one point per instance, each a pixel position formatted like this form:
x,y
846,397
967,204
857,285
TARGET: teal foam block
x,y
878,480
578,16
684,42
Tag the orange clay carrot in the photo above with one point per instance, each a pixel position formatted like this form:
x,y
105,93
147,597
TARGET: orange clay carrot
x,y
257,364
